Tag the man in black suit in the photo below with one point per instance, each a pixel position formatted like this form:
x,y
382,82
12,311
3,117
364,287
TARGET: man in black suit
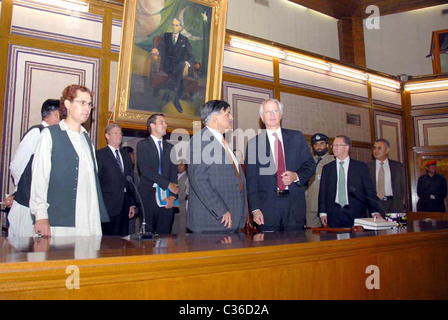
x,y
158,173
388,178
114,165
176,58
278,164
345,188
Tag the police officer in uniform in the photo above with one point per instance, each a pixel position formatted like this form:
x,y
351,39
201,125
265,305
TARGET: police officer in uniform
x,y
319,143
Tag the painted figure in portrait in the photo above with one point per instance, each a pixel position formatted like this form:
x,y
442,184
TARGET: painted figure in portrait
x,y
170,57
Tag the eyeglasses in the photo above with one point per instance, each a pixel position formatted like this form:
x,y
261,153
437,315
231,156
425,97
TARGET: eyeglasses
x,y
339,145
85,103
269,112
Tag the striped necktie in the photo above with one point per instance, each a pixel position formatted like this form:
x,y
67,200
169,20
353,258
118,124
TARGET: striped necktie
x,y
117,156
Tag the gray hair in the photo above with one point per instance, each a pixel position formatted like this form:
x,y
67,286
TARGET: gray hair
x,y
386,142
279,104
110,126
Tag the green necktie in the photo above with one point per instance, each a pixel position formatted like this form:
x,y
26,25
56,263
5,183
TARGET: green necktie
x,y
342,196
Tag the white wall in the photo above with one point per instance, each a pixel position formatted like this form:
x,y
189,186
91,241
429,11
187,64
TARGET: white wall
x,y
403,41
285,23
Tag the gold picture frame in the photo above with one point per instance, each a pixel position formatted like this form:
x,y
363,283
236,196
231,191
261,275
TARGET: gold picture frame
x,y
131,68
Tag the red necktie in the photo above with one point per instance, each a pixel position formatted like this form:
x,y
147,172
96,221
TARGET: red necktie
x,y
280,162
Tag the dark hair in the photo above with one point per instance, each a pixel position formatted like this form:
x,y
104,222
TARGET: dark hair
x,y
153,119
70,93
129,149
212,107
386,142
345,138
48,107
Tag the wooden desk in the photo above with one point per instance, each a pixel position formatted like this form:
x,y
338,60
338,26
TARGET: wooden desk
x,y
413,264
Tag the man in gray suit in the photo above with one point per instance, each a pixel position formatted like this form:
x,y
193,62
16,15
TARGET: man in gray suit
x,y
217,200
388,177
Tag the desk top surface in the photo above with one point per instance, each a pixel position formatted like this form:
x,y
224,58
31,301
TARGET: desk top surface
x,y
14,250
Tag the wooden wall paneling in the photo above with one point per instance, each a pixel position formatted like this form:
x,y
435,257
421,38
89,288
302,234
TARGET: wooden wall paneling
x,y
5,26
38,40
351,41
103,103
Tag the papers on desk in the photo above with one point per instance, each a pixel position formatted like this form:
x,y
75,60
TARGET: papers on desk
x,y
371,224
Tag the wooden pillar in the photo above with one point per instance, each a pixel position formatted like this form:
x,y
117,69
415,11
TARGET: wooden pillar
x,y
351,41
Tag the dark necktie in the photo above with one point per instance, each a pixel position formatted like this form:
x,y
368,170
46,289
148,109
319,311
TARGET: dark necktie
x,y
160,156
281,167
117,156
234,165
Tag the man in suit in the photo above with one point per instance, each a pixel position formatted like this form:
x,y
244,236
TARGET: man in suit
x,y
176,58
319,143
217,199
345,188
114,166
278,165
388,177
158,173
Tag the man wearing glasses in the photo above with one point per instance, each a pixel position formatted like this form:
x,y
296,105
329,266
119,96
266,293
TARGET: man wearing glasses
x,y
346,190
278,164
66,197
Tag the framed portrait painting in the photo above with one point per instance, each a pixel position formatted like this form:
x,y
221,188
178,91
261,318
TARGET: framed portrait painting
x,y
170,60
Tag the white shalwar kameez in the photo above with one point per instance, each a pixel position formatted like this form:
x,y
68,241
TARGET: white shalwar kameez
x,y
87,221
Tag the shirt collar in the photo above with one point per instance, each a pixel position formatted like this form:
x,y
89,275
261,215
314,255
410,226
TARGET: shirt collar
x,y
384,162
113,149
64,127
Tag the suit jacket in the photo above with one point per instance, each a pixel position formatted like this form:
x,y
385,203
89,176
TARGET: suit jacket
x,y
398,183
214,186
312,193
148,166
173,54
261,174
112,181
358,178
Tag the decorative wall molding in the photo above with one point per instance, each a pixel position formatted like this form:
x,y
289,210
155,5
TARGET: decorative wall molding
x,y
35,75
390,126
35,20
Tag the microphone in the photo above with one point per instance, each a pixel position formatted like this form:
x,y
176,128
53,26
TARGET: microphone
x,y
142,235
378,206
